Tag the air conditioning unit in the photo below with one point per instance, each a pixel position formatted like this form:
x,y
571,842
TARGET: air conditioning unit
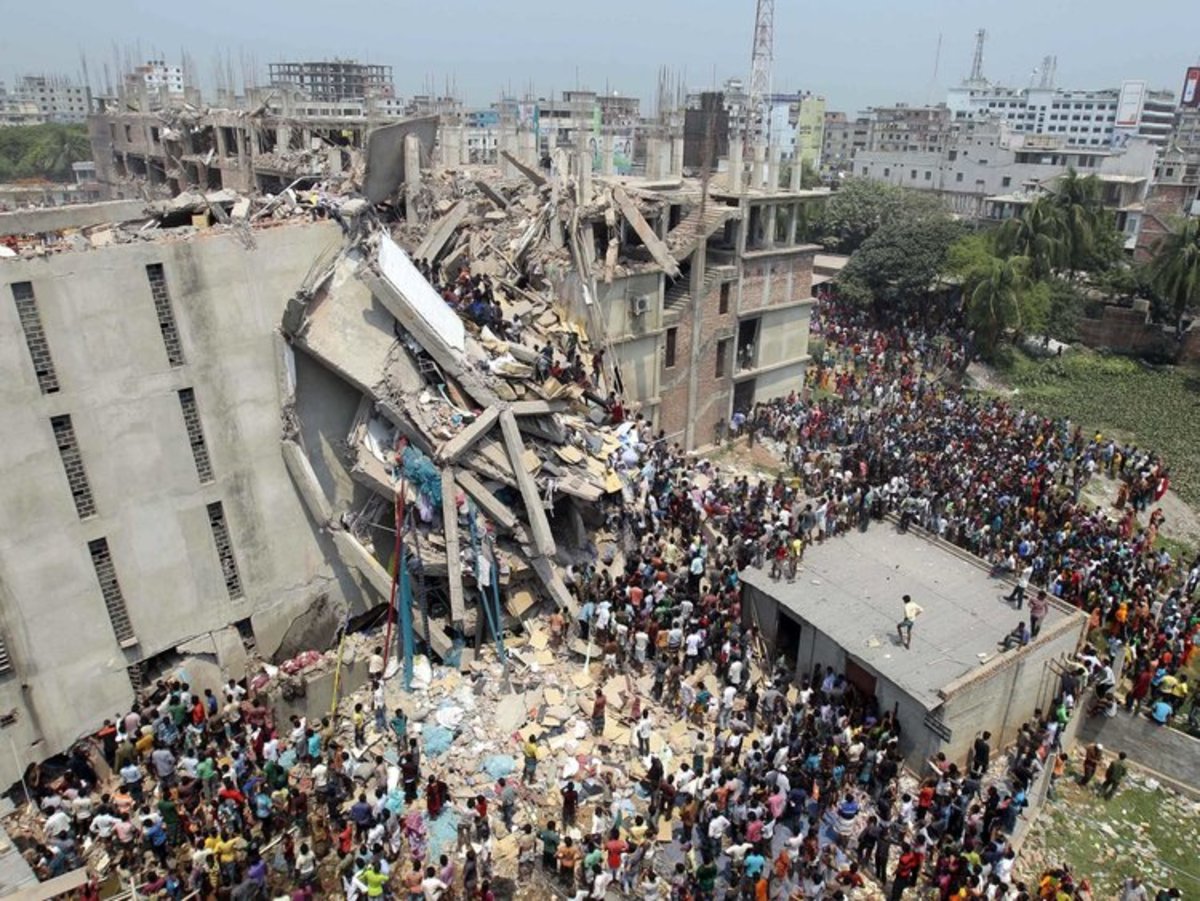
x,y
639,306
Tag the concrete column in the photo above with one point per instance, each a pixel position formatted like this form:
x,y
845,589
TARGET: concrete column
x,y
758,166
529,149
793,222
583,157
735,165
652,158
664,158
677,155
412,176
797,169
773,168
464,152
222,150
506,144
608,167
769,224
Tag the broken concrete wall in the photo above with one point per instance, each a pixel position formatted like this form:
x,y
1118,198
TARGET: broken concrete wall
x,y
385,171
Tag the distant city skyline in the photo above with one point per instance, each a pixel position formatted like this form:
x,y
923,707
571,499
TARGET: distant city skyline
x,y
881,54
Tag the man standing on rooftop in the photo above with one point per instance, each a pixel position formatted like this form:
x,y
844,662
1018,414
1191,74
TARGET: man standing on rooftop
x,y
904,628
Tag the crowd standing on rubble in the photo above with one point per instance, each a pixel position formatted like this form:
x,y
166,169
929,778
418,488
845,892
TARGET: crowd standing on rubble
x,y
790,790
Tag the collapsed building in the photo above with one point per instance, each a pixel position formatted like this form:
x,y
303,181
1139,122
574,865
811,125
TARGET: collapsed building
x,y
226,406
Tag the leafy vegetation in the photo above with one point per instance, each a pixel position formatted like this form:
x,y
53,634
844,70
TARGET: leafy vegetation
x,y
1155,406
901,261
1024,276
42,151
860,207
1175,272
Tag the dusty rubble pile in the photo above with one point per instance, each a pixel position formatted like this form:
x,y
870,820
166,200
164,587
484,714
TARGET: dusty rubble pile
x,y
509,453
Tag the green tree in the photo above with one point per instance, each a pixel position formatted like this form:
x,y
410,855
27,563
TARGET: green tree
x,y
1175,269
860,207
42,151
901,261
997,300
1086,232
1036,235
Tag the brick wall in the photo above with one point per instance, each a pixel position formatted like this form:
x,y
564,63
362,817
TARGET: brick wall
x,y
773,280
712,392
1129,331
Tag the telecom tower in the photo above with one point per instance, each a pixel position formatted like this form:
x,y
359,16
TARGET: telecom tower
x,y
760,72
976,76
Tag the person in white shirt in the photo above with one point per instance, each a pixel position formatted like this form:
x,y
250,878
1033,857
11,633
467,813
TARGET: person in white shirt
x,y
57,822
433,887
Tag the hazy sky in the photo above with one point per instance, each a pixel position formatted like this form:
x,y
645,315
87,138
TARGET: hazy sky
x,y
854,53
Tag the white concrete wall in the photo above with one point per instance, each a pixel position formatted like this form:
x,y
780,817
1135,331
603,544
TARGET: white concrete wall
x,y
783,335
120,392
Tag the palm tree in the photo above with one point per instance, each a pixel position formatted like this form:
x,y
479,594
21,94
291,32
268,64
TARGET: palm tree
x,y
1080,207
1036,235
53,151
1175,270
994,302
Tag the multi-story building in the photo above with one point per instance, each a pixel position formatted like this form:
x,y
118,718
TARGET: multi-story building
x,y
732,328
334,80
147,511
842,138
810,131
783,114
988,170
156,76
904,128
15,110
1097,118
57,99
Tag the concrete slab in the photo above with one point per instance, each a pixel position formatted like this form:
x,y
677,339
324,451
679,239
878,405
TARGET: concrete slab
x,y
850,589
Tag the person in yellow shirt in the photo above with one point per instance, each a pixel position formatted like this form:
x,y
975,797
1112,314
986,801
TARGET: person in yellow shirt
x,y
374,880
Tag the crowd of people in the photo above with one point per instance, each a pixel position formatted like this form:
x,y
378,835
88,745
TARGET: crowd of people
x,y
790,790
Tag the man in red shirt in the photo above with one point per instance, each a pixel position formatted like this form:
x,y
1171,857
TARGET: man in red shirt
x,y
615,847
908,869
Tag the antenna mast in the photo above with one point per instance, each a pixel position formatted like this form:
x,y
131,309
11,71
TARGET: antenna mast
x,y
760,70
977,61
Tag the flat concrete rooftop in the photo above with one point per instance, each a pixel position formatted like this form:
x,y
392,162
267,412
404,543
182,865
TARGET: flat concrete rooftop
x,y
850,588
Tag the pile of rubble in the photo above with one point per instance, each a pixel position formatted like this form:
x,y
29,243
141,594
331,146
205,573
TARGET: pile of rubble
x,y
501,429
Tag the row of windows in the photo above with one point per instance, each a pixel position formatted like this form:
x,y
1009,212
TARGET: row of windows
x,y
110,585
38,345
71,455
1005,181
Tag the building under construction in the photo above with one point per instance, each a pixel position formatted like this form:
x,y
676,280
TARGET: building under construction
x,y
334,80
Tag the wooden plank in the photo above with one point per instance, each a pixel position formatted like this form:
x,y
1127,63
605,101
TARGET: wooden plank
x,y
653,243
460,443
496,511
453,561
543,538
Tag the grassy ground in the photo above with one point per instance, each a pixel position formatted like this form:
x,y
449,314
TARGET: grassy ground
x,y
1143,831
1156,407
